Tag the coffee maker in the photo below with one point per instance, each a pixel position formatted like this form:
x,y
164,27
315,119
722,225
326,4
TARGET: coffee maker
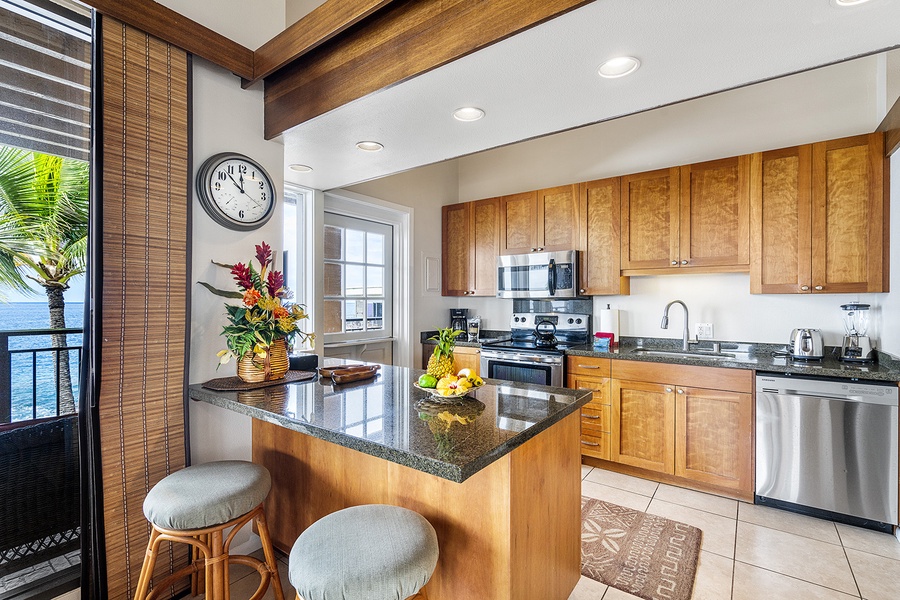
x,y
856,346
459,318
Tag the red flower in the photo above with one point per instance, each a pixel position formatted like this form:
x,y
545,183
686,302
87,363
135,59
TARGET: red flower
x,y
275,284
264,255
241,274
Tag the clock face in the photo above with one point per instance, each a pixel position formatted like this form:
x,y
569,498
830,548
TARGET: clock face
x,y
235,191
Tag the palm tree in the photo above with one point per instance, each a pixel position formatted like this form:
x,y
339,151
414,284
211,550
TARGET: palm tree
x,y
43,235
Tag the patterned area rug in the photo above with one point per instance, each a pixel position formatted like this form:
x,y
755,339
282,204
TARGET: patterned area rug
x,y
642,554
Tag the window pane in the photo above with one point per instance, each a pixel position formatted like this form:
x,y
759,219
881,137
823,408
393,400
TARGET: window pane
x,y
333,321
356,276
333,242
375,315
375,281
353,315
356,245
332,279
375,248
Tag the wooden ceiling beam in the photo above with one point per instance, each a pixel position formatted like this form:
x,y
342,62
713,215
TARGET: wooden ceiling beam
x,y
891,126
322,24
404,39
174,28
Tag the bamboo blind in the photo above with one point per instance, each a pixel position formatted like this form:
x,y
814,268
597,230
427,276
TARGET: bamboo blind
x,y
144,204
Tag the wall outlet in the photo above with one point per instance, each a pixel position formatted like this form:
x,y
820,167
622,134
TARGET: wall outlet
x,y
704,331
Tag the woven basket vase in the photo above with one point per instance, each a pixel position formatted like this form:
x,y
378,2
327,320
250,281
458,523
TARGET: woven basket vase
x,y
252,369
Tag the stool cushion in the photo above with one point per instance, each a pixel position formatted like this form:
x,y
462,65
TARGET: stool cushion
x,y
204,495
371,552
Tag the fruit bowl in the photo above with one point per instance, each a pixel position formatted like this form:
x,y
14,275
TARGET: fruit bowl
x,y
457,393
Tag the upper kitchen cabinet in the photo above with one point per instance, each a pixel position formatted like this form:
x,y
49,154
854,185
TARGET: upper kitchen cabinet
x,y
470,244
542,221
696,216
601,235
818,221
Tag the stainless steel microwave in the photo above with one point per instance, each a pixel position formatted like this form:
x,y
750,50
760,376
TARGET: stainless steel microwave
x,y
538,275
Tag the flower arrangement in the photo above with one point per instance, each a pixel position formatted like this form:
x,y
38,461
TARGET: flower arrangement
x,y
263,317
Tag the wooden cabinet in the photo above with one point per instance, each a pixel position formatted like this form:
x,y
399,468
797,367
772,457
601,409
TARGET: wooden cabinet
x,y
696,216
542,221
470,244
694,423
601,234
592,374
464,357
819,218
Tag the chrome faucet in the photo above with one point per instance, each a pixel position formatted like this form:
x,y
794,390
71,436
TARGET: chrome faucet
x,y
665,323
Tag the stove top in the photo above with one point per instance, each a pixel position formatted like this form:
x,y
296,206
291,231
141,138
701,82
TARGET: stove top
x,y
531,346
547,333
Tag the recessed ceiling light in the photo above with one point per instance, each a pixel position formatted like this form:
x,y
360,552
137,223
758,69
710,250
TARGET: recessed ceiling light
x,y
468,113
300,168
370,146
619,67
849,2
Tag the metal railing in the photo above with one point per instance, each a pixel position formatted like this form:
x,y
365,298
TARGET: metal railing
x,y
7,355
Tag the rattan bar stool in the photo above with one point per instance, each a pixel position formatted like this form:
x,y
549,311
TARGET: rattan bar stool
x,y
195,506
369,552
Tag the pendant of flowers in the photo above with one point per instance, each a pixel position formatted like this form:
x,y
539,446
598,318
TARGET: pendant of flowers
x,y
264,323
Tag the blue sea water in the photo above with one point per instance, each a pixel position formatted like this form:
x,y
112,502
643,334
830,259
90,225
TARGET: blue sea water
x,y
17,316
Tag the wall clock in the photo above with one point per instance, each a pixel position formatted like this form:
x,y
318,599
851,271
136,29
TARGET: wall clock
x,y
235,191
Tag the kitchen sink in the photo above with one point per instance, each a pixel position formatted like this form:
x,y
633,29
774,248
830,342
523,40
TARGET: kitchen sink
x,y
683,354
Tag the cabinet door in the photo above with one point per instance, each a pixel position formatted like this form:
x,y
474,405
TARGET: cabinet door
x,y
485,219
643,425
558,220
848,209
715,213
650,217
467,357
780,233
714,437
456,239
518,223
601,236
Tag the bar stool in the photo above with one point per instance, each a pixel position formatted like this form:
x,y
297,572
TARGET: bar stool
x,y
369,552
195,506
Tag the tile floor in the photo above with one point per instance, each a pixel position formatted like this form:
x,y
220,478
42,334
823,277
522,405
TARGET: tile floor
x,y
754,552
748,553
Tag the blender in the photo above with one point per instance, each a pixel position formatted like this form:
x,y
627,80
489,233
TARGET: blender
x,y
856,346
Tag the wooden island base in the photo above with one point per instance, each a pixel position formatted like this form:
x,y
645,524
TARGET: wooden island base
x,y
510,532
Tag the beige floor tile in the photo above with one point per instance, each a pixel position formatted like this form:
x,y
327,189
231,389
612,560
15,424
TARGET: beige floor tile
x,y
713,579
811,560
244,588
718,531
873,542
708,502
636,485
587,589
615,495
782,520
878,577
753,583
585,470
616,594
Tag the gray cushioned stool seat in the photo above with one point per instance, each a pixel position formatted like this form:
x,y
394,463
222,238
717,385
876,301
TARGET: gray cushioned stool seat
x,y
370,552
204,495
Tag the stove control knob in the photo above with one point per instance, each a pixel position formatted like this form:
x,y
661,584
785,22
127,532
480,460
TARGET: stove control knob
x,y
578,321
571,320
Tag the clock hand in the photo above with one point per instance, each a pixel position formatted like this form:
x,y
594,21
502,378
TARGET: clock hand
x,y
241,179
239,187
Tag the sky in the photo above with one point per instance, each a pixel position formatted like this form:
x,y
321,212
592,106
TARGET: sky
x,y
75,293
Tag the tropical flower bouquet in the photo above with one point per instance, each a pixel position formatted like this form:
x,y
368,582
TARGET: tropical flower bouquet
x,y
264,323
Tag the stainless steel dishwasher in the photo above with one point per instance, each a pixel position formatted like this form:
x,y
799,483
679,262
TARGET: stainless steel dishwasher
x,y
828,448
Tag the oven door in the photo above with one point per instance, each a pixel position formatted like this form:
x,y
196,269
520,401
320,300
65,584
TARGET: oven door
x,y
539,369
537,275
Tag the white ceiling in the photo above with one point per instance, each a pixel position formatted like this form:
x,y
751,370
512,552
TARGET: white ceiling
x,y
545,80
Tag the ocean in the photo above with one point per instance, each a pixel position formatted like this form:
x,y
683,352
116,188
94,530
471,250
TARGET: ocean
x,y
17,316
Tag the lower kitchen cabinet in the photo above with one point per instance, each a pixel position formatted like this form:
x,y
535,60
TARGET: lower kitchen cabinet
x,y
592,374
464,357
643,425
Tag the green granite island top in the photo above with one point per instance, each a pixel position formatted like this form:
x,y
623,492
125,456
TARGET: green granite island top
x,y
389,418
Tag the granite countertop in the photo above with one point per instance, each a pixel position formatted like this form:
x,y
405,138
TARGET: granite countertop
x,y
485,336
389,418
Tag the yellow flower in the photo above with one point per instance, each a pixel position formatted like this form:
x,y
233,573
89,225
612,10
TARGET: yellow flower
x,y
269,303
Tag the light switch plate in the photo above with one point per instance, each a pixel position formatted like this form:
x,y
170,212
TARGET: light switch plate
x,y
705,331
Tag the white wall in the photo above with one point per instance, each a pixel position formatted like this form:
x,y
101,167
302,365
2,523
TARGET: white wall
x,y
250,24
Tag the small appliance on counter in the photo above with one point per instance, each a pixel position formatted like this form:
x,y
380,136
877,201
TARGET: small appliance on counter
x,y
856,346
474,329
806,344
459,319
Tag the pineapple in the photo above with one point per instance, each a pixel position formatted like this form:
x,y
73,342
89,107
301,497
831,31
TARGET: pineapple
x,y
441,362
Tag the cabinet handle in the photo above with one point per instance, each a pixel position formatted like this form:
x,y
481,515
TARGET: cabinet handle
x,y
680,391
674,262
541,249
581,291
668,390
588,366
819,288
534,249
589,443
804,288
684,262
584,416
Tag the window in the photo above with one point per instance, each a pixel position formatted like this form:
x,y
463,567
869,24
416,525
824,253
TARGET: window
x,y
297,246
357,279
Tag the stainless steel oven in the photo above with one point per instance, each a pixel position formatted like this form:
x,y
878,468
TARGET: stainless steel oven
x,y
526,366
538,275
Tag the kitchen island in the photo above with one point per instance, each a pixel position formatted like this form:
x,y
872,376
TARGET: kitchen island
x,y
497,473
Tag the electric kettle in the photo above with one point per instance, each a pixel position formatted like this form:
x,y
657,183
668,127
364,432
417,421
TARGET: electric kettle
x,y
806,344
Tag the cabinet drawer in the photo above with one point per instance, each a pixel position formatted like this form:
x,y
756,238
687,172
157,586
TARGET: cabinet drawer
x,y
595,419
596,445
586,365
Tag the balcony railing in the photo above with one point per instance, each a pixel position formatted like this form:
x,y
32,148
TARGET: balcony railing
x,y
31,362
